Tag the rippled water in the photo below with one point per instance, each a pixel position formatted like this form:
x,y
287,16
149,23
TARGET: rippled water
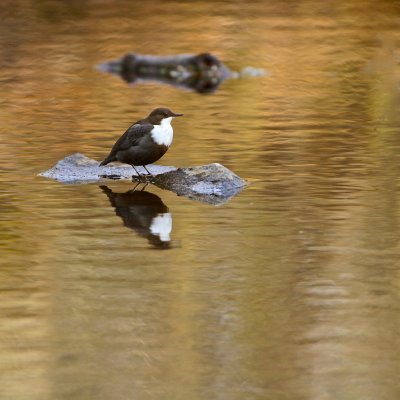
x,y
288,291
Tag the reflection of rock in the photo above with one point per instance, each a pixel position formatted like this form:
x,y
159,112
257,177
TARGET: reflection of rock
x,y
202,73
211,183
143,212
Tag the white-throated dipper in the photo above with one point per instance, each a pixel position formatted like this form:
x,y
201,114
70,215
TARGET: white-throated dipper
x,y
146,141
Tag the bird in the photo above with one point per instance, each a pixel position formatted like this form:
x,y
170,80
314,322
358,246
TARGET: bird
x,y
144,142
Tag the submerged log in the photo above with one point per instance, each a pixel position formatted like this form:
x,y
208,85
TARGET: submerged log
x,y
212,183
202,73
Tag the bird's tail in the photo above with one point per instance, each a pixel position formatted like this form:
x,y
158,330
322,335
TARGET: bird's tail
x,y
107,160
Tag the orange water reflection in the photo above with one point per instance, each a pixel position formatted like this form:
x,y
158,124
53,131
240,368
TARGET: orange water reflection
x,y
288,291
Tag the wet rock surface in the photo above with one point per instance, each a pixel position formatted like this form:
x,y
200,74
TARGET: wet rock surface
x,y
212,183
209,183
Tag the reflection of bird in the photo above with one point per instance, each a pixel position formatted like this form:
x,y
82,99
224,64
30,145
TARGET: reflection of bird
x,y
145,213
145,141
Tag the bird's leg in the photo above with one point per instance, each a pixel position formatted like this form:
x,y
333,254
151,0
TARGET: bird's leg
x,y
144,187
148,172
139,176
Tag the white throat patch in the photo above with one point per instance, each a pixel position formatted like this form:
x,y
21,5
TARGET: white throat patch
x,y
163,134
162,226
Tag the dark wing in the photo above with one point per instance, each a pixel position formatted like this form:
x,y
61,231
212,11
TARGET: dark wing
x,y
130,138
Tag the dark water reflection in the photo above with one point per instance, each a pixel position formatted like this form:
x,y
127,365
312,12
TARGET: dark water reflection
x,y
288,291
143,212
202,73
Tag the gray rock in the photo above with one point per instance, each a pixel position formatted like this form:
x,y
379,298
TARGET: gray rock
x,y
212,183
78,168
252,72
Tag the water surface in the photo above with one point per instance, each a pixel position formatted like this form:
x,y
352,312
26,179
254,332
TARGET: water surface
x,y
288,291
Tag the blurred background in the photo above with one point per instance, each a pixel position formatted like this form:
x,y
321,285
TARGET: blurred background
x,y
288,291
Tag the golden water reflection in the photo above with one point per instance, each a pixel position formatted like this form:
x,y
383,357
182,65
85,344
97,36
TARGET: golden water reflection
x,y
288,291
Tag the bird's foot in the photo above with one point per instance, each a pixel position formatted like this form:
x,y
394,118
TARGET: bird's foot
x,y
139,178
150,178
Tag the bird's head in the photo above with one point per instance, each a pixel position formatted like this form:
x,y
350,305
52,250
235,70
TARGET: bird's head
x,y
159,115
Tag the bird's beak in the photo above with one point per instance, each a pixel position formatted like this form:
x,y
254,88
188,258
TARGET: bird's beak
x,y
176,115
